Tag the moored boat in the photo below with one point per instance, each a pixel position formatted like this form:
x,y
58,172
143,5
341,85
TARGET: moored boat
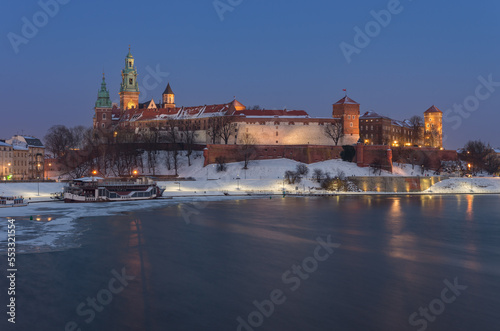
x,y
97,189
17,201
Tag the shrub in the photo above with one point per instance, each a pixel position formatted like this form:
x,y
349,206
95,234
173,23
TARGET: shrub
x,y
221,164
317,175
302,170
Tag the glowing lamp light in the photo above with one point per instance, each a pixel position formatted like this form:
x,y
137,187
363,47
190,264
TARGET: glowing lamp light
x,y
135,172
94,172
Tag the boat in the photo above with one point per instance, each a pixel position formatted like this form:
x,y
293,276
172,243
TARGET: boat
x,y
97,189
17,201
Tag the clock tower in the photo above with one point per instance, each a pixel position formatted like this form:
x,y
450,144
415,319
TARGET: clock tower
x,y
129,88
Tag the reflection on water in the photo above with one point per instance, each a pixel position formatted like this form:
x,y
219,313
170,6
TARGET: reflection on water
x,y
395,253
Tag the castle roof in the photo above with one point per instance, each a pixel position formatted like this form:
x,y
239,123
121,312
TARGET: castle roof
x,y
372,114
346,101
168,90
154,114
256,113
433,109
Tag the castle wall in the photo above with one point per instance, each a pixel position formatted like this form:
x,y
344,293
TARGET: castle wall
x,y
285,133
305,154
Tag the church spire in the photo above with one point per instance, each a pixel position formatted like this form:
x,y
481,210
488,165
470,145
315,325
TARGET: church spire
x,y
103,100
129,88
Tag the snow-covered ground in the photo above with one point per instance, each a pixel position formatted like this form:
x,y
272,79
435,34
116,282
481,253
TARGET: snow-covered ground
x,y
467,185
263,176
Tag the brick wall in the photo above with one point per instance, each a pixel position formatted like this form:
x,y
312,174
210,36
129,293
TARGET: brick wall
x,y
430,157
301,153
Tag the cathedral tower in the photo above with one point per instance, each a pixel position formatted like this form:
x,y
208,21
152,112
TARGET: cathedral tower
x,y
129,88
168,97
103,107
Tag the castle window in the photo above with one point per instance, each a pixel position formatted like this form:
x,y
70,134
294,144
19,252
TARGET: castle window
x,y
349,117
351,125
103,116
130,64
130,81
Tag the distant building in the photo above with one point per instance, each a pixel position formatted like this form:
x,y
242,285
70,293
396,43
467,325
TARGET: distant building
x,y
28,157
6,160
376,129
265,126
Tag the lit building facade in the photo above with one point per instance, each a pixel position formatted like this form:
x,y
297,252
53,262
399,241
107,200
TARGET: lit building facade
x,y
433,127
6,160
266,127
28,157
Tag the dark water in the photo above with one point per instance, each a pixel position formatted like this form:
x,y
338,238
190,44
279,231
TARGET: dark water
x,y
395,255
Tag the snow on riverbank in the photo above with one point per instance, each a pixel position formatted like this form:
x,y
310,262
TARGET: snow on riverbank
x,y
467,185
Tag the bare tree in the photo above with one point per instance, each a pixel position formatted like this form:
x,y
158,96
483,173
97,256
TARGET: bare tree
x,y
492,164
247,148
59,140
417,125
475,153
317,175
151,144
335,131
188,136
226,127
173,140
213,129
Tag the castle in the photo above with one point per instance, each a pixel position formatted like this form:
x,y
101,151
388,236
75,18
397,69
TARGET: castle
x,y
254,126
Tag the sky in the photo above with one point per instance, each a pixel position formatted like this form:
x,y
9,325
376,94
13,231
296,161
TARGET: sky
x,y
397,58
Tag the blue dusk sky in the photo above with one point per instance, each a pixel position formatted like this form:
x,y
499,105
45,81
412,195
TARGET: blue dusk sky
x,y
397,58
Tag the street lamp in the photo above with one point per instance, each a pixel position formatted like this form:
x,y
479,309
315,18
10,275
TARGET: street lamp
x,y
178,183
470,166
238,181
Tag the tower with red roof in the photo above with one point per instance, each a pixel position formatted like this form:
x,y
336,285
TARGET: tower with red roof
x,y
347,111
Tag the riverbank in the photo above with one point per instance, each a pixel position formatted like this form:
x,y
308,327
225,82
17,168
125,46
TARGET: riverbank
x,y
238,187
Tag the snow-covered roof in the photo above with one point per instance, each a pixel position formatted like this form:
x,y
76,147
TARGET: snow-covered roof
x,y
4,144
346,101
